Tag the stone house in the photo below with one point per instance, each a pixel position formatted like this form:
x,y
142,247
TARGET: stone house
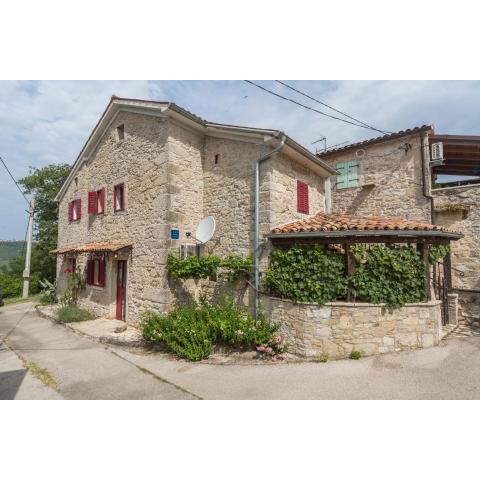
x,y
149,168
396,175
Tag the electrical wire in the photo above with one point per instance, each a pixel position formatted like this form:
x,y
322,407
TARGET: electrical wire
x,y
331,108
312,109
11,176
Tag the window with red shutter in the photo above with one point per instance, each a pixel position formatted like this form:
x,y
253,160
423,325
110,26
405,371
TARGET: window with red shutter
x,y
118,198
100,201
70,211
90,272
79,208
92,201
302,197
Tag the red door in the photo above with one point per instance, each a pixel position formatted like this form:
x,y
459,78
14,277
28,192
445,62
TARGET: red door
x,y
121,277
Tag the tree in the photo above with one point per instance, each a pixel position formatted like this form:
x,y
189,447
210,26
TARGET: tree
x,y
45,183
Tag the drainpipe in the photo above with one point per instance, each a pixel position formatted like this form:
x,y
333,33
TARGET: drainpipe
x,y
256,253
424,180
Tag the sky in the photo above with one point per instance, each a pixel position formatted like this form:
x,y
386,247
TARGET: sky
x,y
44,122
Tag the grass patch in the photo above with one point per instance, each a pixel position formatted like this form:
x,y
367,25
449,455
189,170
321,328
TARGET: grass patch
x,y
42,374
73,314
321,358
355,355
10,301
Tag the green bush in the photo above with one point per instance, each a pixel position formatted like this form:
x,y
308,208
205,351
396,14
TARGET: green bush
x,y
437,253
192,331
48,294
306,274
355,355
392,275
73,314
10,286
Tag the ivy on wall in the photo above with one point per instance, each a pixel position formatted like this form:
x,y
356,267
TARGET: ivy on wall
x,y
437,253
392,275
208,266
306,274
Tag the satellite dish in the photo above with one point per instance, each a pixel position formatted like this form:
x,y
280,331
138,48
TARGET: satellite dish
x,y
205,229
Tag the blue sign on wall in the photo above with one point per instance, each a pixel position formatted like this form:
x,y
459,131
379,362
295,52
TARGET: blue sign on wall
x,y
174,233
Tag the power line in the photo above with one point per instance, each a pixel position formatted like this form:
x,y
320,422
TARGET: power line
x,y
328,106
11,176
312,109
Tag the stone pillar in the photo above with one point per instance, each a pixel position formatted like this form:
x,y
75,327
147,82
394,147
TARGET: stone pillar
x,y
453,308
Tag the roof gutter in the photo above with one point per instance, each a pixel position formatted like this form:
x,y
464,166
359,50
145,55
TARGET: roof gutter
x,y
256,253
369,233
424,179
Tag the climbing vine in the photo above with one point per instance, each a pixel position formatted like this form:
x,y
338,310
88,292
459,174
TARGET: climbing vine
x,y
208,266
393,275
437,252
306,274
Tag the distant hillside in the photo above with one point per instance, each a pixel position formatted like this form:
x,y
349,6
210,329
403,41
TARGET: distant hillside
x,y
10,249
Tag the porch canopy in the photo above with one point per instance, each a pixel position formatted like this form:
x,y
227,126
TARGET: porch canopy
x,y
344,229
93,248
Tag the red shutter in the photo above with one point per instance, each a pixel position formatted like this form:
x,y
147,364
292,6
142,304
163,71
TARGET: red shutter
x,y
302,197
92,201
90,272
70,211
79,208
101,273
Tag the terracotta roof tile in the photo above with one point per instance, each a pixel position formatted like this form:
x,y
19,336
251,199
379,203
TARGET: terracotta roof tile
x,y
384,138
329,222
93,247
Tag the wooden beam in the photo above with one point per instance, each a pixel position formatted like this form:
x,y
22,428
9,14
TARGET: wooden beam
x,y
447,270
423,249
350,268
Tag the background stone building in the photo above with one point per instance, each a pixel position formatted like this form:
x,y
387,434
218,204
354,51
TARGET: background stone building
x,y
395,175
150,167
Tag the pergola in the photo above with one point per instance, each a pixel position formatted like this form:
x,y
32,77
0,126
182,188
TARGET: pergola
x,y
343,229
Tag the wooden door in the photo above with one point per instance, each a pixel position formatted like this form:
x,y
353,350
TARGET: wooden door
x,y
121,287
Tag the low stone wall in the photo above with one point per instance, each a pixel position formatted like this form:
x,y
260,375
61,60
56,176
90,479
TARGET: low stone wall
x,y
339,328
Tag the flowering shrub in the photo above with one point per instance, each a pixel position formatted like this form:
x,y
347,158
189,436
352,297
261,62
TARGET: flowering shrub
x,y
192,331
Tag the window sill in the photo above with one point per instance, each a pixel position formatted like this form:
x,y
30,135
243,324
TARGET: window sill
x,y
119,211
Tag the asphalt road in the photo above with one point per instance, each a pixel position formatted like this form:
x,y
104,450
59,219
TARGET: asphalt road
x,y
84,369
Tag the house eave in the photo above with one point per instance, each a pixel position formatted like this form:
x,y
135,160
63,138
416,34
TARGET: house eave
x,y
369,233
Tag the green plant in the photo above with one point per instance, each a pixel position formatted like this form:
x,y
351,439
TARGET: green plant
x,y
75,283
323,358
207,266
393,275
306,274
192,331
48,294
437,253
68,314
355,355
10,286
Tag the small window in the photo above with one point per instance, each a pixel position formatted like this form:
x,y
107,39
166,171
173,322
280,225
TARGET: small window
x,y
119,198
120,132
96,272
75,210
217,158
302,197
347,174
100,206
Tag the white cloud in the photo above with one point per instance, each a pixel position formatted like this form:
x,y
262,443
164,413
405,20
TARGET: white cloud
x,y
48,121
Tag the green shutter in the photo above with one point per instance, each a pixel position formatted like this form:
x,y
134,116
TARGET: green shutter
x,y
342,175
352,173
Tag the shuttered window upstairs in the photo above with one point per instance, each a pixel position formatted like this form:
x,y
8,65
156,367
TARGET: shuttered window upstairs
x,y
75,210
302,197
347,174
96,202
118,198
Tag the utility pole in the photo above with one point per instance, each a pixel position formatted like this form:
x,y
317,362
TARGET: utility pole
x,y
28,257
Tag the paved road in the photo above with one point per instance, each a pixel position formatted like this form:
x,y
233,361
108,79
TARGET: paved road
x,y
82,369
85,369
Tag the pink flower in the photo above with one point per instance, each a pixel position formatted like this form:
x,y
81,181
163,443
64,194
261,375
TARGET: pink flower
x,y
68,270
277,339
260,348
269,350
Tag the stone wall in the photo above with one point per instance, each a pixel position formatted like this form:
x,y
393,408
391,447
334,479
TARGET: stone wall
x,y
458,208
339,328
390,181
